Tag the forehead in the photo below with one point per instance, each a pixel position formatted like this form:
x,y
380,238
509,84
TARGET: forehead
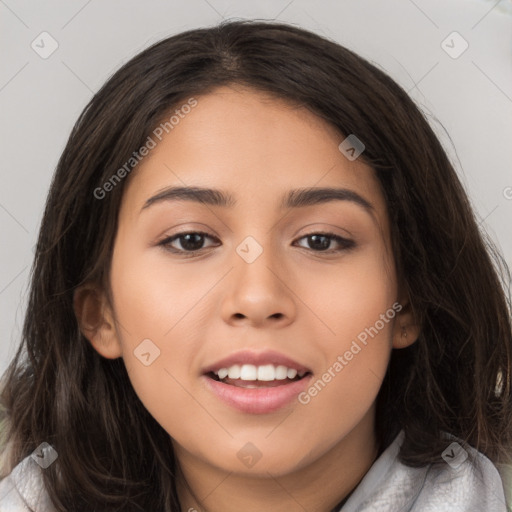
x,y
253,145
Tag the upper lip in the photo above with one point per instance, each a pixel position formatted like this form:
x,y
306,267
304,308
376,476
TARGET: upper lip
x,y
256,359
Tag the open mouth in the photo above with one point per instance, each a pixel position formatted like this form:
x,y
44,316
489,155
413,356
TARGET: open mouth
x,y
251,376
256,383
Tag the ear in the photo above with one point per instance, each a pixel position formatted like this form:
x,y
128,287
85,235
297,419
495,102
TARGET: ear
x,y
96,320
406,329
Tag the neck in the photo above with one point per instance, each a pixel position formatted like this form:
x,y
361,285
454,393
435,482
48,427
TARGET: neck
x,y
317,487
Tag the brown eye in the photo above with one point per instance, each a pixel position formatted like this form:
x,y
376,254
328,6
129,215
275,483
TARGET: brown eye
x,y
320,242
192,241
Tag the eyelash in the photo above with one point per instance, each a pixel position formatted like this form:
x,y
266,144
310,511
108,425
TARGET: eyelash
x,y
345,243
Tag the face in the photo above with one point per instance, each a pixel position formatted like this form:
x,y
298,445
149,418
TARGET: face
x,y
252,329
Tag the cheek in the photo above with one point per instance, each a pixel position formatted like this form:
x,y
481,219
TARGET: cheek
x,y
355,303
153,298
349,296
158,307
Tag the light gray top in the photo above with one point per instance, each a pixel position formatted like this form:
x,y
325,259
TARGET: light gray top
x,y
457,486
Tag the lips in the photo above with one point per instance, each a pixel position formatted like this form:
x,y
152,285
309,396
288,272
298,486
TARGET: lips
x,y
256,382
256,359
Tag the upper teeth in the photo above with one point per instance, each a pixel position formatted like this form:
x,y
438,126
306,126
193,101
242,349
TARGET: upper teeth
x,y
265,372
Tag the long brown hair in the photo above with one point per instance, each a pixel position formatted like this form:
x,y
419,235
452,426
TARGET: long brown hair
x,y
456,378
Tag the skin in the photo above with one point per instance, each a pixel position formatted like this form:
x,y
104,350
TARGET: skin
x,y
293,298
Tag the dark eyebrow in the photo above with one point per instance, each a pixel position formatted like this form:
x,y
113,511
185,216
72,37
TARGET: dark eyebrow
x,y
296,198
311,196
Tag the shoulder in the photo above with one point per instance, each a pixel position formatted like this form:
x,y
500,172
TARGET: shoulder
x,y
467,481
23,490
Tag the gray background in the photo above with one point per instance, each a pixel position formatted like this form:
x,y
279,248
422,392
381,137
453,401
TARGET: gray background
x,y
469,96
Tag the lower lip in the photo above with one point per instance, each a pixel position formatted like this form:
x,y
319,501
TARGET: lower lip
x,y
257,400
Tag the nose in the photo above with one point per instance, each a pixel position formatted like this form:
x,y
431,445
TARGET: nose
x,y
259,293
